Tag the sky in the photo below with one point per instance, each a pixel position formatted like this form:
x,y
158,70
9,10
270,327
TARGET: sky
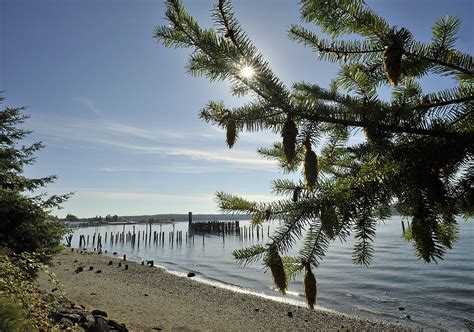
x,y
119,114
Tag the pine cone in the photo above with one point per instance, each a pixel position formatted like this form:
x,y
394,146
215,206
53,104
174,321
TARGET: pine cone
x,y
275,263
296,194
231,133
310,167
392,62
310,289
289,139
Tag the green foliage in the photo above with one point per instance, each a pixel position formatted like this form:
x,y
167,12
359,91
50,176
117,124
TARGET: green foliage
x,y
418,151
17,273
25,225
12,318
71,217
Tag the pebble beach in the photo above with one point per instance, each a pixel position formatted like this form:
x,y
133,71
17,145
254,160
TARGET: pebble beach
x,y
148,298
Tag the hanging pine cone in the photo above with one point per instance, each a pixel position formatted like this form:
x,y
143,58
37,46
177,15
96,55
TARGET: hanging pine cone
x,y
310,289
268,214
275,263
310,167
231,133
392,62
229,34
289,133
296,194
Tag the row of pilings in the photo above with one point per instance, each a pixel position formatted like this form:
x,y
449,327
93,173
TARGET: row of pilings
x,y
149,236
228,228
215,228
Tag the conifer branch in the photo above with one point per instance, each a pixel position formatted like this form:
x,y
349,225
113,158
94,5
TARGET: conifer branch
x,y
441,63
426,140
389,127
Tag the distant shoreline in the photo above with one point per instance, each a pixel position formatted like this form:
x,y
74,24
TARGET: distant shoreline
x,y
154,219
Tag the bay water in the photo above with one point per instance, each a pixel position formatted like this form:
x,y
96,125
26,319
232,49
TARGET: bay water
x,y
396,287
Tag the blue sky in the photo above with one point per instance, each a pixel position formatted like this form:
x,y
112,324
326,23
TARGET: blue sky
x,y
118,112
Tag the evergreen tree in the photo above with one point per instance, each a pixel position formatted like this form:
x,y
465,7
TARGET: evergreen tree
x,y
25,224
418,152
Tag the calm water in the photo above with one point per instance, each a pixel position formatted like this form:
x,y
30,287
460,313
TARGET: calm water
x,y
434,295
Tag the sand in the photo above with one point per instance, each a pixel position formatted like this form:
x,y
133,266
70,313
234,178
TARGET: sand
x,y
148,299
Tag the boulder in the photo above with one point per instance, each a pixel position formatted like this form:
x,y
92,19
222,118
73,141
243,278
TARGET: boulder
x,y
97,312
117,326
66,323
101,325
88,321
74,317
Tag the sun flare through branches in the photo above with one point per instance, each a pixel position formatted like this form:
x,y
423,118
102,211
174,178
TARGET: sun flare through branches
x,y
247,72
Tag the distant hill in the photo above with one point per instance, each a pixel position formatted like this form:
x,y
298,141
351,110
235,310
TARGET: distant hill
x,y
184,217
153,218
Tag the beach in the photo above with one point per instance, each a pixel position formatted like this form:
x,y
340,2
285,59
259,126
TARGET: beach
x,y
150,298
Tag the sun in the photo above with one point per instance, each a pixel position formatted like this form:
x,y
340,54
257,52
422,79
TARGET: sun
x,y
247,72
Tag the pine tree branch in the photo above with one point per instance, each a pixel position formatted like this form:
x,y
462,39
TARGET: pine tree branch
x,y
462,117
230,30
317,248
441,103
343,49
387,127
441,63
282,239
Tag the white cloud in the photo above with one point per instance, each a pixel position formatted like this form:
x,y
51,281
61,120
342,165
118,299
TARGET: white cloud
x,y
179,168
136,196
89,105
131,196
153,135
164,143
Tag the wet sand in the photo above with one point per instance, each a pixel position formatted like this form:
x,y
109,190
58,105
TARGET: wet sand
x,y
148,299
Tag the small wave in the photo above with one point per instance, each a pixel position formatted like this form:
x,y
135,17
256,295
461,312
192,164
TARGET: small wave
x,y
288,292
460,305
387,300
377,313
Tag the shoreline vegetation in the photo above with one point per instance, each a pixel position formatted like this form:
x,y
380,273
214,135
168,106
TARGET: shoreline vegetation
x,y
149,299
73,221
